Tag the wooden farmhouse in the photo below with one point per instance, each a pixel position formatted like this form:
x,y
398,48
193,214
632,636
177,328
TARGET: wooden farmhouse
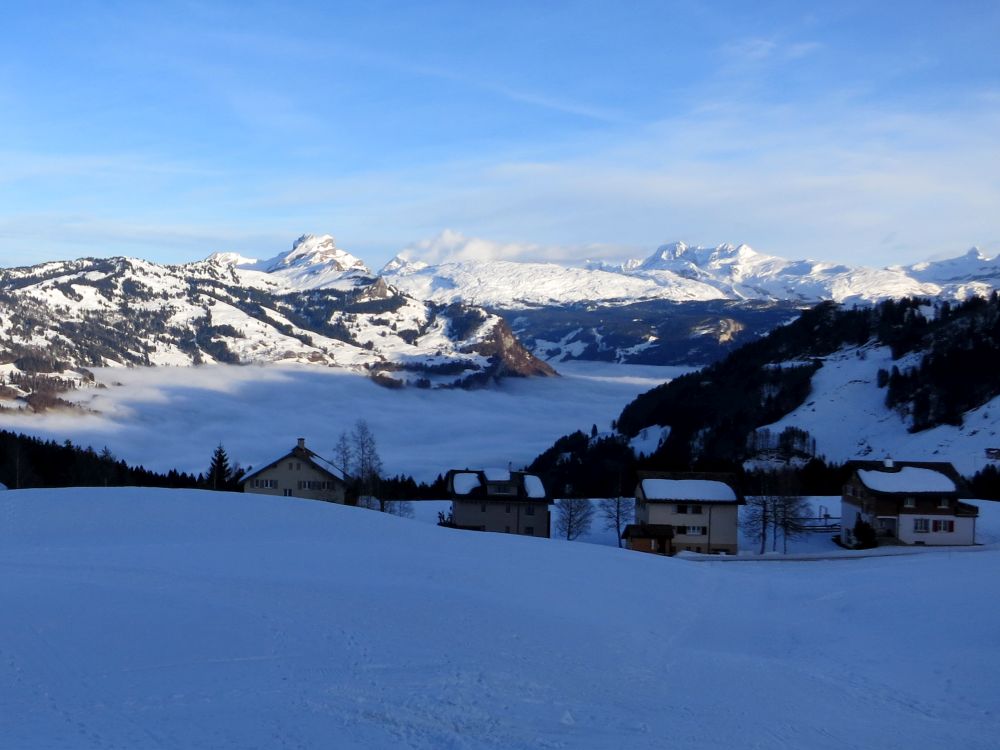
x,y
907,502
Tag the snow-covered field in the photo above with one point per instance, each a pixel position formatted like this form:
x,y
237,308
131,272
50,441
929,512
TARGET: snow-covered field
x,y
168,417
184,619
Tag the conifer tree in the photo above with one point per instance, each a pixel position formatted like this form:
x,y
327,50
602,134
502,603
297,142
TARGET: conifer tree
x,y
220,473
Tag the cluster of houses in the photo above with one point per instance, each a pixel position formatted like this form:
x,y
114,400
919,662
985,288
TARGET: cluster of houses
x,y
906,502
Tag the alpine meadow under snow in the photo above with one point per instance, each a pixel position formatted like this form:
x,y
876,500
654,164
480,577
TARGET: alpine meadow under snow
x,y
166,619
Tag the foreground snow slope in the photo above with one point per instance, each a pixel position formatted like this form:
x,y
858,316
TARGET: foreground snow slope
x,y
145,619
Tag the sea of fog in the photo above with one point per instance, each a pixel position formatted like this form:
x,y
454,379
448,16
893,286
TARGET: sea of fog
x,y
169,417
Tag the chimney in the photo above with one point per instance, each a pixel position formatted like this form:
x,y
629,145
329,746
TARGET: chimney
x,y
302,444
888,463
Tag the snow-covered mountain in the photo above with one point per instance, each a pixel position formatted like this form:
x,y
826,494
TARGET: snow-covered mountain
x,y
512,284
681,273
315,304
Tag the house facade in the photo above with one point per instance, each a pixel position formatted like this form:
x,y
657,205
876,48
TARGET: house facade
x,y
299,473
510,502
907,502
685,512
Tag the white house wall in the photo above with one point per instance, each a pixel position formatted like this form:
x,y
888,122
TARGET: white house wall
x,y
964,532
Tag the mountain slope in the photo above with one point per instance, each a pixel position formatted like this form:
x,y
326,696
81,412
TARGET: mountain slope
x,y
943,362
314,305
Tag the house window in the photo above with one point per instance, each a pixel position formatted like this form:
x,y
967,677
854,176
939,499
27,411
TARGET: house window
x,y
910,502
530,510
947,527
682,510
921,525
289,465
288,493
943,502
529,530
696,531
696,510
508,508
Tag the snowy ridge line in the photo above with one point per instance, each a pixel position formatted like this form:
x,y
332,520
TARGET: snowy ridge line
x,y
682,273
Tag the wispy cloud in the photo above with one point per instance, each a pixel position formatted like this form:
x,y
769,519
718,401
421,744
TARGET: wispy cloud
x,y
760,49
452,245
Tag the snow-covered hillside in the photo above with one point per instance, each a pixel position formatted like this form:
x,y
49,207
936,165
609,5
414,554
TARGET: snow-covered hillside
x,y
681,273
847,415
151,619
315,304
512,285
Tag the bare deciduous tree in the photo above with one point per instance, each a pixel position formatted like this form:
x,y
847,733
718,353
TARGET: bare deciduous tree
x,y
367,462
781,515
756,519
573,517
344,454
616,512
790,510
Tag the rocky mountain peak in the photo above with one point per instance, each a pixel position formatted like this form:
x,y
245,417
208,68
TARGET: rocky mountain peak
x,y
317,250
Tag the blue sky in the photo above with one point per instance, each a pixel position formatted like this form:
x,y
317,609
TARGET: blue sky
x,y
854,132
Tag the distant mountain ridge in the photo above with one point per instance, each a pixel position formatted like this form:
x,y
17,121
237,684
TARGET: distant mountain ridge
x,y
678,272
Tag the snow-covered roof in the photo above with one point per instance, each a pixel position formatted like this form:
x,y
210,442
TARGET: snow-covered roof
x,y
703,490
533,486
464,482
326,465
497,475
907,479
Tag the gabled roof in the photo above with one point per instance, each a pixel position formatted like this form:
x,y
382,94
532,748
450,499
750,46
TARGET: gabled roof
x,y
909,477
474,483
301,453
687,487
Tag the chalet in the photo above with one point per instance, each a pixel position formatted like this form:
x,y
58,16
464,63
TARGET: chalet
x,y
685,512
299,473
907,502
510,502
